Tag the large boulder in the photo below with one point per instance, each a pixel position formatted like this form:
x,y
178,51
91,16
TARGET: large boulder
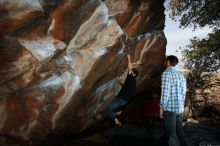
x,y
63,61
205,106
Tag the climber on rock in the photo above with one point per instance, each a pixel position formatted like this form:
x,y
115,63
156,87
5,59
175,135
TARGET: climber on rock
x,y
124,95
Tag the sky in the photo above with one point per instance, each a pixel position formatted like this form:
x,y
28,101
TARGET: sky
x,y
178,37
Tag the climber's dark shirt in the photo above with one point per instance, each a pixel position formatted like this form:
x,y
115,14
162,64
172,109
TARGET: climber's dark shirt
x,y
128,88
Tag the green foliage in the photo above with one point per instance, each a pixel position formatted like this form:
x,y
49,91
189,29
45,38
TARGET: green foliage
x,y
196,12
203,55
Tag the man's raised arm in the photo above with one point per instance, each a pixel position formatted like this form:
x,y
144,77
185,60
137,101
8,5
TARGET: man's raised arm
x,y
129,64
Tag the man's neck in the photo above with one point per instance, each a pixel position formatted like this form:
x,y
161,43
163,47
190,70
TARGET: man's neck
x,y
170,66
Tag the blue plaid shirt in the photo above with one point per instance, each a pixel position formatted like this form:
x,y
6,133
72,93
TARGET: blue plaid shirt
x,y
173,91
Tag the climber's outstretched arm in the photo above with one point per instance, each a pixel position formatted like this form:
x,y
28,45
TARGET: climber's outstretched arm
x,y
129,64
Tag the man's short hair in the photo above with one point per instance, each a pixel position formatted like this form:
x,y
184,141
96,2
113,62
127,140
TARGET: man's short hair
x,y
173,60
135,72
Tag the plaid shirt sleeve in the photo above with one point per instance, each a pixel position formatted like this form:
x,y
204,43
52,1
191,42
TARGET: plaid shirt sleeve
x,y
165,89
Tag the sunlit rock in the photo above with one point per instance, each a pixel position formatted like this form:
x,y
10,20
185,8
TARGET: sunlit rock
x,y
63,61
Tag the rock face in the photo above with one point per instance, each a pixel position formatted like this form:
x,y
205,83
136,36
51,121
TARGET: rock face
x,y
62,61
205,107
207,100
210,92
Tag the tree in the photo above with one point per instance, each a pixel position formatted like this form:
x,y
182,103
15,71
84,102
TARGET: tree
x,y
196,12
201,55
